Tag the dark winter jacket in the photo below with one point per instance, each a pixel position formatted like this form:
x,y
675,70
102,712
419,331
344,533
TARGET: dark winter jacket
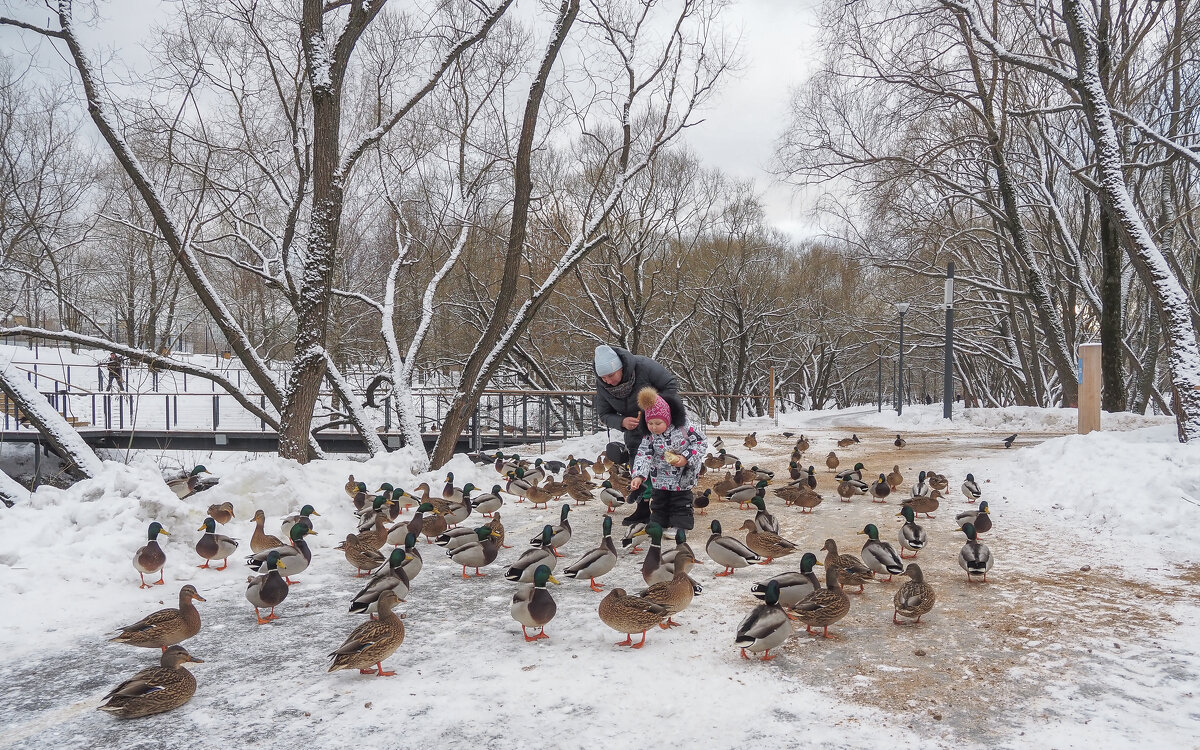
x,y
610,409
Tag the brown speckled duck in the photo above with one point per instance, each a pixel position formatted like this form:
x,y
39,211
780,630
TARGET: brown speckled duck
x,y
915,597
154,690
166,627
825,607
630,614
851,570
373,641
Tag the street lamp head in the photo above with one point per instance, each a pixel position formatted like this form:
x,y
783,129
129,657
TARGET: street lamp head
x,y
902,307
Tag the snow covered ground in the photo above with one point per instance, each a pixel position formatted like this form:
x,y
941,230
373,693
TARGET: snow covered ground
x,y
1086,634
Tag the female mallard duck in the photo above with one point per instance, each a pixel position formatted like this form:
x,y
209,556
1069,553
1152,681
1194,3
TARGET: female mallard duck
x,y
766,627
825,607
926,504
912,536
899,442
166,627
751,440
580,491
674,595
295,557
610,497
725,486
793,586
851,570
214,546
970,489
701,501
414,525
763,520
561,533
880,489
847,442
498,527
630,614
727,551
532,605
915,597
433,524
222,513
831,461
304,518
261,541
937,481
527,564
800,496
712,462
856,473
767,544
596,562
653,570
619,477
975,557
377,536
981,519
487,503
373,641
361,556
390,577
849,489
880,556
895,478
477,554
539,497
267,590
743,494
150,558
351,487
154,690
802,444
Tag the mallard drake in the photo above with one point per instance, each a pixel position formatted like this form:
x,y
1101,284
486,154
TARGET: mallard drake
x,y
525,566
766,627
260,541
561,533
389,577
455,538
799,496
921,487
413,562
532,605
725,486
192,482
150,558
926,504
518,487
373,641
414,525
975,557
899,442
681,544
970,489
304,518
795,471
880,489
895,478
880,556
751,440
719,443
360,498
912,536
534,475
727,459
701,501
849,489
653,570
847,442
763,520
767,544
855,474
166,627
361,556
981,519
851,570
793,586
487,503
610,497
915,597
727,551
267,590
831,461
214,546
743,494
674,595
742,475
222,513
824,607
377,512
595,562
154,690
483,551
630,614
295,557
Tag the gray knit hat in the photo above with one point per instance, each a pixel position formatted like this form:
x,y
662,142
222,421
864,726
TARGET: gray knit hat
x,y
607,360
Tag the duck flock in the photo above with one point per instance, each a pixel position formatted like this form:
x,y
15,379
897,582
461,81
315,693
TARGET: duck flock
x,y
465,523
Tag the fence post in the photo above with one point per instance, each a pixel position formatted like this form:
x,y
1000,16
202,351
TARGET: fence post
x,y
167,411
387,414
545,420
771,393
475,437
216,411
262,404
500,423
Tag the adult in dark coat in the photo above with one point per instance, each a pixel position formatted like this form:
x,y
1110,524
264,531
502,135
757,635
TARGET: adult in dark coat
x,y
619,377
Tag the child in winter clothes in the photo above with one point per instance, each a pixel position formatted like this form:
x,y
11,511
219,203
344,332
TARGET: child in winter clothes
x,y
669,457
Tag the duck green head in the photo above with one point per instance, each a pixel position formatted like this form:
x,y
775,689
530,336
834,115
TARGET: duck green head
x,y
396,559
921,477
737,465
385,487
450,477
608,526
606,484
859,467
154,530
882,479
209,525
298,532
547,535
771,597
379,502
425,508
807,562
760,502
792,465
483,533
198,470
969,530
361,486
761,484
871,531
983,507
538,462
908,513
655,532
308,510
410,541
468,488
716,527
566,509
810,469
273,561
495,489
542,576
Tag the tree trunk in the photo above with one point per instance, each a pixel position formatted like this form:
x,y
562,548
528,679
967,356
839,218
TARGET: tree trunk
x,y
49,423
1111,317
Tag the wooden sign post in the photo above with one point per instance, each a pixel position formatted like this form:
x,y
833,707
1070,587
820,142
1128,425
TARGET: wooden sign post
x,y
1089,388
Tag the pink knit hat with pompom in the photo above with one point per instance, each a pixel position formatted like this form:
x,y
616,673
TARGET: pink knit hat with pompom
x,y
654,405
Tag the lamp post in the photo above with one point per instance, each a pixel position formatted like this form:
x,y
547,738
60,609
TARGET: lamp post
x,y
901,307
879,355
948,357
